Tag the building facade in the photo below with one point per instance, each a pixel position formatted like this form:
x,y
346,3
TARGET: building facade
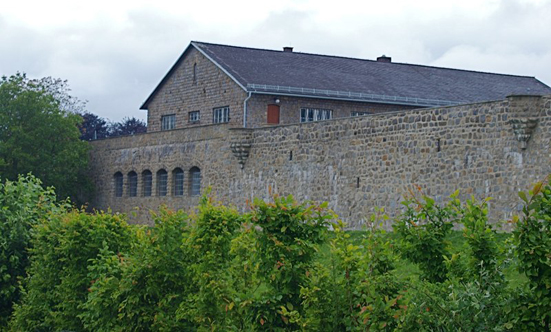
x,y
222,119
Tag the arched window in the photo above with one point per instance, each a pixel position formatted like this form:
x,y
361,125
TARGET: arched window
x,y
118,184
132,184
195,181
162,182
178,181
147,180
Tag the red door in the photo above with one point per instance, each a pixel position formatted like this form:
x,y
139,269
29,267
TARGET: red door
x,y
273,114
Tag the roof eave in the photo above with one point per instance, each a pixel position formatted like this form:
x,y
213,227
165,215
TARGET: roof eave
x,y
368,101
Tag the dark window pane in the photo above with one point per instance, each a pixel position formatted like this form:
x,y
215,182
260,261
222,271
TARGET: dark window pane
x,y
118,184
147,180
132,184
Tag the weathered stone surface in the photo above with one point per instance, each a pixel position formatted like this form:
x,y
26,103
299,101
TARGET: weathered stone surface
x,y
353,163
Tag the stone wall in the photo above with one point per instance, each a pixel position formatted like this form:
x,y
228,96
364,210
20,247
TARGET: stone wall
x,y
204,147
486,149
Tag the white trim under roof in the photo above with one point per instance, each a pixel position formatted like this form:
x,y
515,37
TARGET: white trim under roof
x,y
346,95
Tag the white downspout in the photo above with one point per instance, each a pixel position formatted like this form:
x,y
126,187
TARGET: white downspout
x,y
245,109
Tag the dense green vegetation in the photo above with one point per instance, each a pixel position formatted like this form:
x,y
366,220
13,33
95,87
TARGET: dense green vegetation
x,y
280,266
39,134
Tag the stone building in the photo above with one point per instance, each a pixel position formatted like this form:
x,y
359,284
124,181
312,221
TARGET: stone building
x,y
356,133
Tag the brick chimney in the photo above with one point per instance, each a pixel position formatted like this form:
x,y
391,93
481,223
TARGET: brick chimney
x,y
384,58
287,49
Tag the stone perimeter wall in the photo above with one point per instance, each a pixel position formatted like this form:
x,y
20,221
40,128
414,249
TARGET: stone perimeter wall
x,y
491,149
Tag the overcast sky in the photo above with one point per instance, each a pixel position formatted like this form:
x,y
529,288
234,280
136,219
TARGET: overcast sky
x,y
114,53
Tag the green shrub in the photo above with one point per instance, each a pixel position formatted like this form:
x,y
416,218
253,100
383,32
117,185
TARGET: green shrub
x,y
353,287
289,237
58,283
22,204
279,268
208,247
142,288
533,248
422,231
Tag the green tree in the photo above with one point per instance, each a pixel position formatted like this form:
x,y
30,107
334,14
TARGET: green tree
x,y
39,136
22,204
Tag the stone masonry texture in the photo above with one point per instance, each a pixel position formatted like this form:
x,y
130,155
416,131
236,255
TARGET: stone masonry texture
x,y
183,93
491,149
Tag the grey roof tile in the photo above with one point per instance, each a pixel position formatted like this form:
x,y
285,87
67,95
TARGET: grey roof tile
x,y
302,70
356,79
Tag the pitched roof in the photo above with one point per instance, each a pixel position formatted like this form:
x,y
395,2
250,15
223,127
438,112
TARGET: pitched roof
x,y
303,74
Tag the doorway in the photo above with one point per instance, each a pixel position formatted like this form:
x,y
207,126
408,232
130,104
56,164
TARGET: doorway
x,y
273,114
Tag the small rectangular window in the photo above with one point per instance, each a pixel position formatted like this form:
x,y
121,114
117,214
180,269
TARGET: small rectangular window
x,y
194,116
221,114
168,122
359,113
315,114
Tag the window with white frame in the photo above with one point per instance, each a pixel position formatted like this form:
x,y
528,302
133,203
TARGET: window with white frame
x,y
168,122
315,114
194,116
221,114
360,113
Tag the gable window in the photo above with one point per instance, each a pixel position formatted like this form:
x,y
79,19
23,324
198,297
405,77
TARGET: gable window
x,y
147,181
221,114
194,116
132,184
359,113
168,122
315,114
195,184
162,182
178,178
118,179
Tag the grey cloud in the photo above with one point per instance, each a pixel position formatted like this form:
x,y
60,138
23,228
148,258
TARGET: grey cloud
x,y
115,67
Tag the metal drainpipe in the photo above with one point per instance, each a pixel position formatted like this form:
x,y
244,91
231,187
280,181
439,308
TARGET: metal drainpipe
x,y
245,109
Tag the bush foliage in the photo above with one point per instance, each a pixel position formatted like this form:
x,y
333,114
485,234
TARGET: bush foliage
x,y
282,266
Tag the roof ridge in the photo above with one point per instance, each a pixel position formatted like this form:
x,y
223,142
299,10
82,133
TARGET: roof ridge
x,y
368,60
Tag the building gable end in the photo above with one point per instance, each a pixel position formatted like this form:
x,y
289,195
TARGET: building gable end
x,y
178,62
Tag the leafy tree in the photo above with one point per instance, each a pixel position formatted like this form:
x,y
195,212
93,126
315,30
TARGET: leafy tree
x,y
37,135
423,228
128,126
533,241
93,127
58,281
60,90
23,203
